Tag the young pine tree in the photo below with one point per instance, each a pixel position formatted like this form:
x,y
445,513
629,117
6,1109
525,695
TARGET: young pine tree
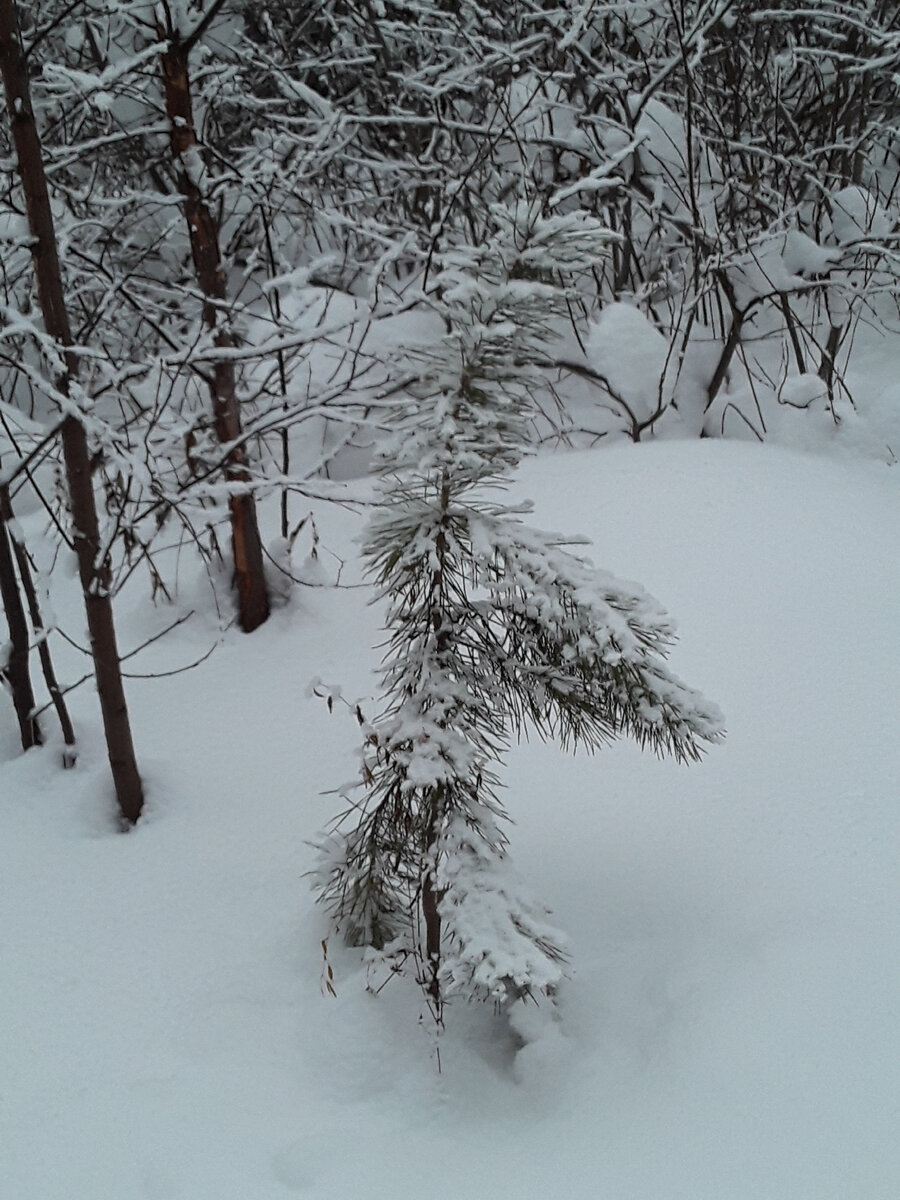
x,y
493,627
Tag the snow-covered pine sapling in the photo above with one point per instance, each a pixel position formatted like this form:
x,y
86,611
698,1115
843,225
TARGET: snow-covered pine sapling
x,y
493,628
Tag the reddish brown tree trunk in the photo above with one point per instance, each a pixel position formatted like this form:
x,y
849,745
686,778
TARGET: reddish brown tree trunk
x,y
93,567
253,600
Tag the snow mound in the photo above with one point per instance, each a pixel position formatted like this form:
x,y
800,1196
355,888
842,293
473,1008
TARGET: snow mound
x,y
631,355
857,214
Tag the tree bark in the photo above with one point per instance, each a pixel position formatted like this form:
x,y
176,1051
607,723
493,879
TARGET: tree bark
x,y
93,565
827,364
253,600
70,754
432,918
16,667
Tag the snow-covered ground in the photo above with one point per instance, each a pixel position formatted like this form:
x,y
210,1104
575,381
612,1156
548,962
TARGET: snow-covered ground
x,y
731,1031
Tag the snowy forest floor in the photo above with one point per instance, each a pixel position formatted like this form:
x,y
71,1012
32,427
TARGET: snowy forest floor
x,y
731,1028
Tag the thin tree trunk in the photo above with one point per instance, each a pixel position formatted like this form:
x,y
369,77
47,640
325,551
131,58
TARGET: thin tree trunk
x,y
70,754
432,918
732,341
253,600
827,363
93,566
431,896
275,308
16,666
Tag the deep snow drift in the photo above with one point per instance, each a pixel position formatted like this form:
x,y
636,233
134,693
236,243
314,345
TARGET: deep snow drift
x,y
731,1030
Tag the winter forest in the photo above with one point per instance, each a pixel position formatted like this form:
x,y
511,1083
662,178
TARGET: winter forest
x,y
359,832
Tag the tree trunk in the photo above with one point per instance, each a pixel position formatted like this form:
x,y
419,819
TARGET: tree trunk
x,y
827,364
432,919
253,600
70,754
16,666
93,568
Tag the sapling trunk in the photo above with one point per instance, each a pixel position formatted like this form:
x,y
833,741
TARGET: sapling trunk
x,y
70,754
93,562
253,600
15,668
